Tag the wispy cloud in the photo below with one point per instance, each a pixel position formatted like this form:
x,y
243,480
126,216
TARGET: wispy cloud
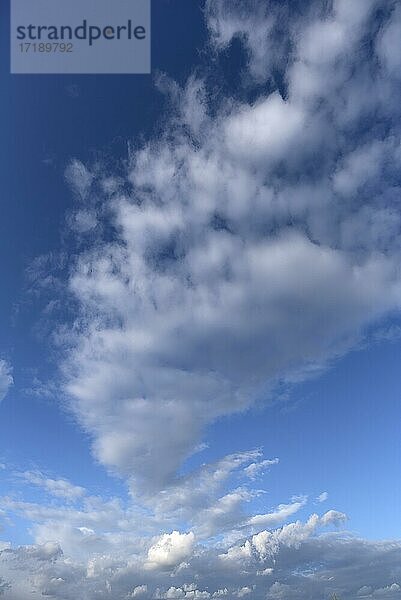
x,y
322,497
60,488
6,378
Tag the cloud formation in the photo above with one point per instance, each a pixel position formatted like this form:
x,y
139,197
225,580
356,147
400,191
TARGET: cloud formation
x,y
298,560
211,546
251,242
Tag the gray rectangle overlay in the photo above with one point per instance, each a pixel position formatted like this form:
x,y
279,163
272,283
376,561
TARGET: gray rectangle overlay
x,y
80,36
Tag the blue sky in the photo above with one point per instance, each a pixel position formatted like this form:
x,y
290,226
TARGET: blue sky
x,y
200,331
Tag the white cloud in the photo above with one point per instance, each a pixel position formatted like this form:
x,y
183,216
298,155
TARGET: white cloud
x,y
322,62
389,591
322,497
255,469
187,591
244,591
190,496
268,543
264,132
258,25
223,274
138,591
282,513
364,165
79,178
60,488
333,517
388,43
83,221
296,560
6,379
203,502
171,549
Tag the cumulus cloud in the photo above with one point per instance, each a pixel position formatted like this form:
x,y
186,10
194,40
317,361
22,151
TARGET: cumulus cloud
x,y
6,379
171,549
103,549
138,591
268,543
222,274
298,560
